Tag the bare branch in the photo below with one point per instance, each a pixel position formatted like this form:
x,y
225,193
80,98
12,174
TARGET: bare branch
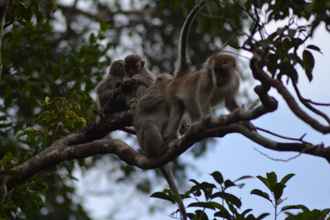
x,y
278,159
261,75
308,105
281,136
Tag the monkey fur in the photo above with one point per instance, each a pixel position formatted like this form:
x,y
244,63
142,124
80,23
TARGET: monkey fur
x,y
151,118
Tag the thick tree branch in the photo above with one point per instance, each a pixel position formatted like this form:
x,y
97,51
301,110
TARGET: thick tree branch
x,y
83,145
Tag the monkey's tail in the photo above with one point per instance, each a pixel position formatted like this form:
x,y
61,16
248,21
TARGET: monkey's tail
x,y
182,59
168,174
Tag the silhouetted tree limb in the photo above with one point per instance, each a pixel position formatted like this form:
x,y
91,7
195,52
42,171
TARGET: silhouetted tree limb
x,y
91,141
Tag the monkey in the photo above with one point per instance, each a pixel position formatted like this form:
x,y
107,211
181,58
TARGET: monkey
x,y
136,69
151,116
194,93
138,75
150,120
227,83
123,84
152,113
178,115
106,88
189,94
227,80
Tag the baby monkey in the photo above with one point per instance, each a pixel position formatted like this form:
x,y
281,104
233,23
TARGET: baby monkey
x,y
108,87
140,78
125,82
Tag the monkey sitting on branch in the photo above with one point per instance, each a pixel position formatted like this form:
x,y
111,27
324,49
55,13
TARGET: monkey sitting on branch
x,y
124,83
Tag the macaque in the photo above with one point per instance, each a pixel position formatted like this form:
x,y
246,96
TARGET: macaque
x,y
197,92
106,88
150,120
227,79
139,76
125,82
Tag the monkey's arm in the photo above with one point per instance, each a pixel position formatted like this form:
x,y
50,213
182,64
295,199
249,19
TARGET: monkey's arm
x,y
231,104
115,101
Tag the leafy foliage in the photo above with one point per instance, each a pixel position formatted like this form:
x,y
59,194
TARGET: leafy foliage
x,y
215,201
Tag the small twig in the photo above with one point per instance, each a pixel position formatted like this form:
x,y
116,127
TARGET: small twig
x,y
282,136
309,105
278,159
317,103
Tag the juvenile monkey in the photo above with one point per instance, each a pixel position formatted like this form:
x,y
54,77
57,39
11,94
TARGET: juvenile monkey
x,y
150,121
138,76
106,88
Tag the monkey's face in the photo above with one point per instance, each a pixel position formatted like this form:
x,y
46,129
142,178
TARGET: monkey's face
x,y
117,69
134,64
223,66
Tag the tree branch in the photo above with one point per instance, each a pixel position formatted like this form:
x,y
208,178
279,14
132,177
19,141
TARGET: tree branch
x,y
83,144
260,74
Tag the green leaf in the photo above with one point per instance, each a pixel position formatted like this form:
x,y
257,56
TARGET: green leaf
x,y
200,215
244,178
223,213
262,194
245,212
290,207
228,198
206,205
314,47
229,183
217,176
163,196
309,63
272,177
104,26
262,216
286,178
278,191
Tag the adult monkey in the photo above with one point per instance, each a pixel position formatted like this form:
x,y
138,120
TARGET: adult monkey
x,y
153,111
193,93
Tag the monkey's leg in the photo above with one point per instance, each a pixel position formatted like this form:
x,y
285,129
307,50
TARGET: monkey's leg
x,y
194,109
150,139
174,121
168,174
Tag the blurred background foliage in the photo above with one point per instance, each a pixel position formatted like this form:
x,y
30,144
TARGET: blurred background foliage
x,y
55,51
